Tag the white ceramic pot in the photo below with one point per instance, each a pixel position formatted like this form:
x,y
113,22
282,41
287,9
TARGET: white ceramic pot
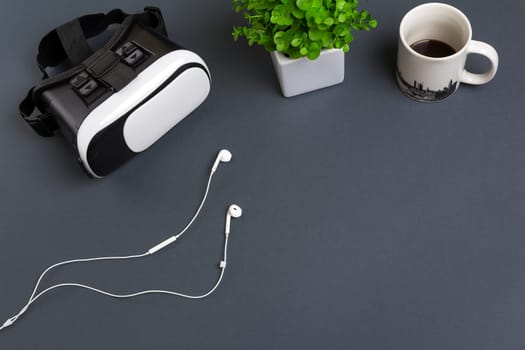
x,y
297,76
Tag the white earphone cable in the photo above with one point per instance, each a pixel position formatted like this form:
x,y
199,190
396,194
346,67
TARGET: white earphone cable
x,y
34,296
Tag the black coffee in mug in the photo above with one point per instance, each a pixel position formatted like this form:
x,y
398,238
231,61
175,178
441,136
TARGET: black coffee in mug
x,y
433,48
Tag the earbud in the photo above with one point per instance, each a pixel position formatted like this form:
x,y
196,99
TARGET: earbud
x,y
234,211
223,156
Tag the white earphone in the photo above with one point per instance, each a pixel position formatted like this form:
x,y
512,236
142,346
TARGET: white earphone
x,y
233,211
224,156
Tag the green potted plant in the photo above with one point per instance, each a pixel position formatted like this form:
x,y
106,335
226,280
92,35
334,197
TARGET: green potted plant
x,y
307,39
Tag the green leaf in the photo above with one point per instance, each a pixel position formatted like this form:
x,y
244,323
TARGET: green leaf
x,y
314,34
297,12
281,16
328,21
296,42
326,39
320,14
341,29
279,36
304,5
281,47
237,32
314,51
317,3
282,41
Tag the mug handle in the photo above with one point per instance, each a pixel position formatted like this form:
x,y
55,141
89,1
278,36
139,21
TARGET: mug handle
x,y
481,48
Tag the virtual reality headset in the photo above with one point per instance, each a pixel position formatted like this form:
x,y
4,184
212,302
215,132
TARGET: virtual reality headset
x,y
115,102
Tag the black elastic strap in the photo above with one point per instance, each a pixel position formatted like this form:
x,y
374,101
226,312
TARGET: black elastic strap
x,y
43,123
69,42
73,41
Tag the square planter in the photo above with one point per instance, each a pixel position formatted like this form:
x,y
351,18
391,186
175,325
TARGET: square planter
x,y
297,76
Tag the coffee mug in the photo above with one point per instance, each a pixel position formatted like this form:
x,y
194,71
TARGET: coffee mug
x,y
434,42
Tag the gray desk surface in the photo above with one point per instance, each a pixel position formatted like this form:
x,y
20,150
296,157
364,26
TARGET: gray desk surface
x,y
371,221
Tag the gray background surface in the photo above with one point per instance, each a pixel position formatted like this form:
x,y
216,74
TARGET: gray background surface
x,y
370,221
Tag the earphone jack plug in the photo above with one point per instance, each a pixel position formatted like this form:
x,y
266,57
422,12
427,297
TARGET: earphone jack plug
x,y
8,323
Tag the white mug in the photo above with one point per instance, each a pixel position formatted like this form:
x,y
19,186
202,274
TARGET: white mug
x,y
426,78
